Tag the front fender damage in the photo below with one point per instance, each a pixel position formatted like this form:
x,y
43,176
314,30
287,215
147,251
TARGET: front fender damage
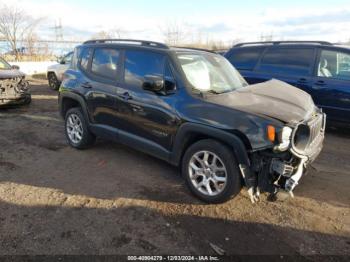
x,y
275,174
14,91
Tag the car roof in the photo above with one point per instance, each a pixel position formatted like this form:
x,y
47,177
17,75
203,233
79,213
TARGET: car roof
x,y
142,45
289,44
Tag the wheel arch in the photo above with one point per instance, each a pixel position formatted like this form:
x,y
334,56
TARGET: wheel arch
x,y
70,100
190,133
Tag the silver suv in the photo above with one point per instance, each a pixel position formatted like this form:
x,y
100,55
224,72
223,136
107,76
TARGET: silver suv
x,y
55,72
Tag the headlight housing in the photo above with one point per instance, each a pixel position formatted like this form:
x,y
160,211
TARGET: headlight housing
x,y
284,137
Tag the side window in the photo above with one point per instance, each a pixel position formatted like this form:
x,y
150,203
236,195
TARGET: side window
x,y
105,62
84,58
245,58
139,64
289,61
334,64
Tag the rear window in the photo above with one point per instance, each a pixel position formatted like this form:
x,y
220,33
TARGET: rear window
x,y
105,62
290,61
84,58
245,58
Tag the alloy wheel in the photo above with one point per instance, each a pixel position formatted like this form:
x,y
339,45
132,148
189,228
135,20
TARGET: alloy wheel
x,y
208,173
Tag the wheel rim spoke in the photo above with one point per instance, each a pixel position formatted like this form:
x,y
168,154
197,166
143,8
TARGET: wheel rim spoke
x,y
74,128
208,173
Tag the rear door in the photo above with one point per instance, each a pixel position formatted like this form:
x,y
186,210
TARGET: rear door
x,y
331,86
290,64
101,84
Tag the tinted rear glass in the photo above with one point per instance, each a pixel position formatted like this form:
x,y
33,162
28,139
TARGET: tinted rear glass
x,y
84,58
288,61
245,58
105,62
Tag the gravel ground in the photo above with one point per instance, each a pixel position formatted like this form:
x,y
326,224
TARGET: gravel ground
x,y
114,200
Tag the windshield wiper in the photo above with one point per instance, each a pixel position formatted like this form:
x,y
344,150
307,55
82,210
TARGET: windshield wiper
x,y
214,92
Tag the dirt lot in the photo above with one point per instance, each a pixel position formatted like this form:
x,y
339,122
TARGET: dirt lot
x,y
113,200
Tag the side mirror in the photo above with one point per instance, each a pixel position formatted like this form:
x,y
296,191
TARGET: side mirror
x,y
153,83
15,67
62,62
169,86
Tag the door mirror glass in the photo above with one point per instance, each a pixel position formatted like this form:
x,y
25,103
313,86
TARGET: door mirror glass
x,y
169,86
153,83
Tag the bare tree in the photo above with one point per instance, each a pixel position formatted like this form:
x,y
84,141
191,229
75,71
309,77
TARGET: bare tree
x,y
15,26
174,33
118,32
102,35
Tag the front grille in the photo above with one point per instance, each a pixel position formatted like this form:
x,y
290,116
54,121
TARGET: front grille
x,y
316,127
309,135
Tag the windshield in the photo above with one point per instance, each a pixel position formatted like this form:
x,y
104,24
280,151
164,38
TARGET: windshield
x,y
4,64
210,73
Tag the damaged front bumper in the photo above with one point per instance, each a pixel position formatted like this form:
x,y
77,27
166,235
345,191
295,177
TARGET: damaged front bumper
x,y
14,91
279,172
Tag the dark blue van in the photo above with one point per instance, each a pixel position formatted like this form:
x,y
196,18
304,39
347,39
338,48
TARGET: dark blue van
x,y
319,68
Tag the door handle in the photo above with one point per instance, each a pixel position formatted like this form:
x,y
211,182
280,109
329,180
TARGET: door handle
x,y
302,81
125,96
320,83
86,85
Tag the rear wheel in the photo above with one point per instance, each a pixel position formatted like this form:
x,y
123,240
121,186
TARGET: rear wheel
x,y
211,171
77,132
53,81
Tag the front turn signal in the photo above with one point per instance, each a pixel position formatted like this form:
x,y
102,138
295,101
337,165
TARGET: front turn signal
x,y
271,133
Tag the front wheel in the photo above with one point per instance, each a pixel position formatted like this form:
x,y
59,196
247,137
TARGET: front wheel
x,y
53,81
77,132
211,171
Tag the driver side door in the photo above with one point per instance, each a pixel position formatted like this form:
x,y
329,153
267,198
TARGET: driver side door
x,y
148,118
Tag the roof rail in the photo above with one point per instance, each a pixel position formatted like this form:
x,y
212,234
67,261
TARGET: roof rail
x,y
195,48
128,41
284,42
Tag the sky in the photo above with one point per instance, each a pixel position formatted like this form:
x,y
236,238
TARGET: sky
x,y
220,20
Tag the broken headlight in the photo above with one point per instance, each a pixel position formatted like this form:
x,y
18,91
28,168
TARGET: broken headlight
x,y
284,137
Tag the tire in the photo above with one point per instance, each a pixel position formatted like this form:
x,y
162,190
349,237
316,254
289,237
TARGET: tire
x,y
54,84
76,129
28,100
225,166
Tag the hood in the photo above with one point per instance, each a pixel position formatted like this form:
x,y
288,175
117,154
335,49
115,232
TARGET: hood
x,y
10,73
274,98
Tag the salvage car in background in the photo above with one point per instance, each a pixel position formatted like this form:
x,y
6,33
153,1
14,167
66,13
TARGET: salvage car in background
x,y
14,89
55,72
319,68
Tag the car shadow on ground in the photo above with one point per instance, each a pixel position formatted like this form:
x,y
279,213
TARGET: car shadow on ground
x,y
137,230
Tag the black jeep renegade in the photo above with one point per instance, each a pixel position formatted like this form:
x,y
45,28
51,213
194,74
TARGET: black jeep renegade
x,y
193,109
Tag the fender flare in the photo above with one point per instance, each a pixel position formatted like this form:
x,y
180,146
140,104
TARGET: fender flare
x,y
187,129
78,99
